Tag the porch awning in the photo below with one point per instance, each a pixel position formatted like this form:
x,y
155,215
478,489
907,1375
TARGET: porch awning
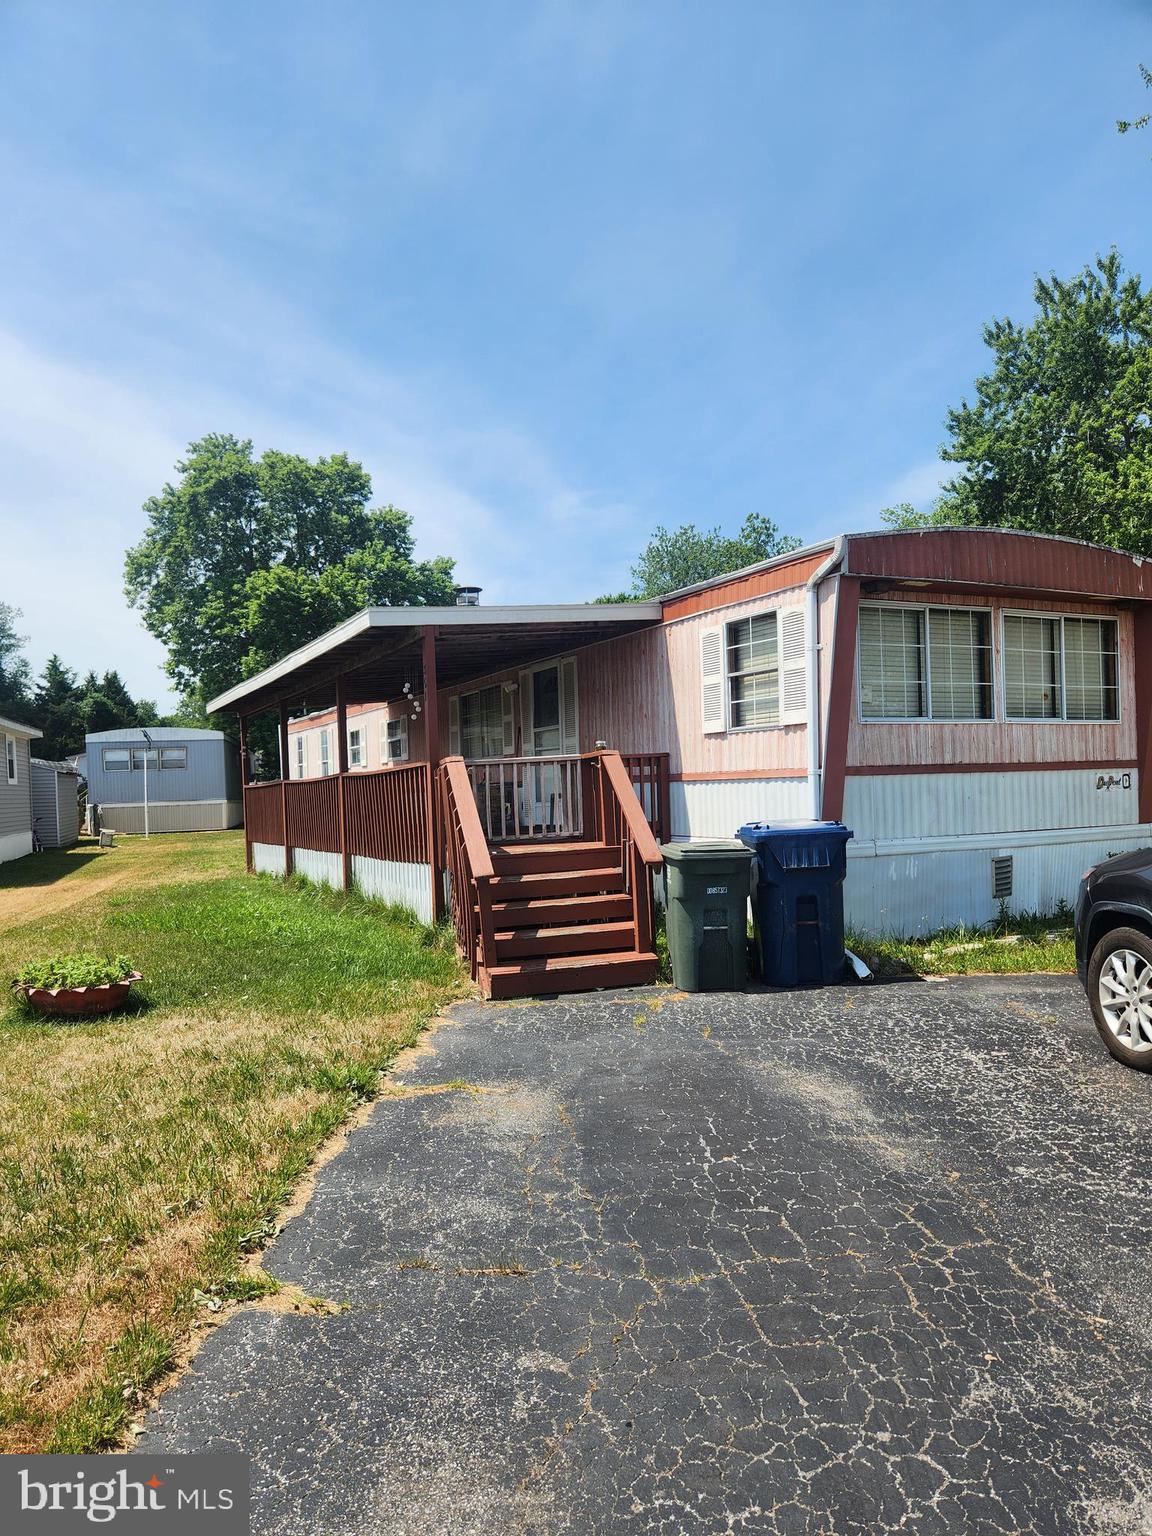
x,y
376,650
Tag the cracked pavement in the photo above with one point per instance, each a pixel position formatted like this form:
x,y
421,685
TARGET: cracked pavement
x,y
867,1260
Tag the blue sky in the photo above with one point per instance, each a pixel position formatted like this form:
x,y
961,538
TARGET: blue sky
x,y
555,272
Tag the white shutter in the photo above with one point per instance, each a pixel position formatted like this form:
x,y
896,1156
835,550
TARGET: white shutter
x,y
454,726
793,689
527,746
569,720
712,713
508,720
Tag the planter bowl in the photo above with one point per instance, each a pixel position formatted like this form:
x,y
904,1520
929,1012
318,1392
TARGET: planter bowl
x,y
76,1001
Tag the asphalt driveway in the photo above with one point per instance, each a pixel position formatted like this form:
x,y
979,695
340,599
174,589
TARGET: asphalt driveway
x,y
869,1260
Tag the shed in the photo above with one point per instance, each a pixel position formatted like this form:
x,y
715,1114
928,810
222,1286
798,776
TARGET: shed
x,y
163,779
55,802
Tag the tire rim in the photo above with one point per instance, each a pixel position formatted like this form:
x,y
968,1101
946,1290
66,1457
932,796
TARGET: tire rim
x,y
1125,990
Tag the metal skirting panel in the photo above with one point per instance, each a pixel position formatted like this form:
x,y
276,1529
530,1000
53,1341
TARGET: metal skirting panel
x,y
320,868
911,894
173,816
716,807
405,885
911,805
268,858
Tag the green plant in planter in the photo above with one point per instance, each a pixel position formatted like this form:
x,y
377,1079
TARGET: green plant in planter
x,y
70,971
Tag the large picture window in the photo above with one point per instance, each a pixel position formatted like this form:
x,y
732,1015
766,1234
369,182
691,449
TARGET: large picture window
x,y
482,723
753,651
1060,668
925,663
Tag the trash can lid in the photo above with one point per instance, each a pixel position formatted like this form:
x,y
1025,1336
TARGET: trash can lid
x,y
706,848
756,831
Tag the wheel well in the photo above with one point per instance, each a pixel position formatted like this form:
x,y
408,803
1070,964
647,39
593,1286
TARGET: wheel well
x,y
1104,922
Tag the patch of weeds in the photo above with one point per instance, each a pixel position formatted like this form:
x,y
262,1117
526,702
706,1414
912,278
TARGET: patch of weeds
x,y
1012,944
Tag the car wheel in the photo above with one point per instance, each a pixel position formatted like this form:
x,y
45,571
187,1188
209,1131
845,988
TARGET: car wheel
x,y
1120,992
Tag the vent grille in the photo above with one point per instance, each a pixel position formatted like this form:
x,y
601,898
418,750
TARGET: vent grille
x,y
1002,878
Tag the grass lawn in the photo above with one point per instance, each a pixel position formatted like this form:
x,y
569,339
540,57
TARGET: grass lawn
x,y
1015,944
142,1157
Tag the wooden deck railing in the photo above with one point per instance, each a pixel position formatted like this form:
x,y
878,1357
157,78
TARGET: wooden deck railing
x,y
528,797
622,822
378,815
468,862
648,772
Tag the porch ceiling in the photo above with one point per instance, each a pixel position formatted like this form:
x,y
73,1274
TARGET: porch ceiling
x,y
380,649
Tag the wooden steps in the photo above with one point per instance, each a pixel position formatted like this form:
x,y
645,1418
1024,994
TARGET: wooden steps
x,y
569,973
562,920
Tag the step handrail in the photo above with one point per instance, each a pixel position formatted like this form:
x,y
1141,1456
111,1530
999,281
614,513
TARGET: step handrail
x,y
630,807
471,827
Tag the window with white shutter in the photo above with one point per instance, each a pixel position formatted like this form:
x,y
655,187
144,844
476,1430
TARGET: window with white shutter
x,y
712,714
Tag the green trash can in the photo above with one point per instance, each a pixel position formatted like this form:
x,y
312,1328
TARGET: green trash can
x,y
706,887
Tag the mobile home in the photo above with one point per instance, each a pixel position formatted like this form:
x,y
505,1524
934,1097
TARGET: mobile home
x,y
165,779
976,705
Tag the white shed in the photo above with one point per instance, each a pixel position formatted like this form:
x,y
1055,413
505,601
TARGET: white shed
x,y
55,802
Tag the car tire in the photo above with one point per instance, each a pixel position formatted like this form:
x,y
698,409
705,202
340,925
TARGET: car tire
x,y
1123,952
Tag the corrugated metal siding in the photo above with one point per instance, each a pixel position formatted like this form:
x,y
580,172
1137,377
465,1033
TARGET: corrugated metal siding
x,y
985,557
268,858
716,808
16,799
321,868
913,805
917,894
875,744
205,778
406,885
173,816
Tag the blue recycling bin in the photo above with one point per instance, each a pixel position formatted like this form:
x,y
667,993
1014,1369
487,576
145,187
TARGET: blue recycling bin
x,y
798,899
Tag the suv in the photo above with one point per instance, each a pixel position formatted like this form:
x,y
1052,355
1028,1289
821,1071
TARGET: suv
x,y
1114,953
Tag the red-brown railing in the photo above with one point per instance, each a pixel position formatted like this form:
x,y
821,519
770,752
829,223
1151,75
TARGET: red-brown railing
x,y
621,822
648,772
263,813
520,798
469,864
313,814
386,813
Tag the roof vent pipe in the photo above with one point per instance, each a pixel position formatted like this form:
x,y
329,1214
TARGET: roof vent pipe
x,y
468,597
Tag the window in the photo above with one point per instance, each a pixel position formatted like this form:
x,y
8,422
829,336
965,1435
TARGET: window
x,y
925,663
117,760
142,754
395,742
545,711
325,757
10,758
173,757
753,672
482,722
300,751
355,748
1058,668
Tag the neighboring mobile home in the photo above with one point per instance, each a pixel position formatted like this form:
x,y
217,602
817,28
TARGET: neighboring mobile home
x,y
55,802
15,789
189,779
976,705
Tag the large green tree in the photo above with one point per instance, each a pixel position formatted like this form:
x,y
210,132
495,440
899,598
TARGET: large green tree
x,y
15,673
246,558
680,557
1058,437
66,710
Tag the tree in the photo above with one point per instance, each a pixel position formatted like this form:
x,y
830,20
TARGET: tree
x,y
56,710
1130,125
244,559
683,556
1059,436
15,673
